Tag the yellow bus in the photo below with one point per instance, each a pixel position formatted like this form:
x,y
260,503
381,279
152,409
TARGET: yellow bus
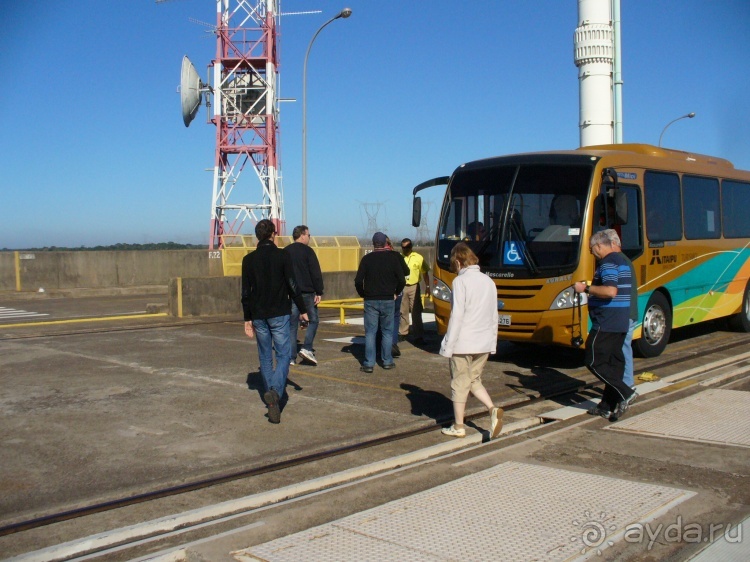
x,y
682,218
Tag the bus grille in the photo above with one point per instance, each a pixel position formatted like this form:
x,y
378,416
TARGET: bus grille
x,y
518,291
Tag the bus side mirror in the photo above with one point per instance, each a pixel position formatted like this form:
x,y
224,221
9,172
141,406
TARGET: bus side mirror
x,y
416,212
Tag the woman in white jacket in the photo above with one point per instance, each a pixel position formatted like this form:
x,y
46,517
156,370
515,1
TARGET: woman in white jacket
x,y
471,337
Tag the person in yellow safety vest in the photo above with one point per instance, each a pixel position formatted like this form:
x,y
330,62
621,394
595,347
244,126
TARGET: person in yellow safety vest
x,y
412,301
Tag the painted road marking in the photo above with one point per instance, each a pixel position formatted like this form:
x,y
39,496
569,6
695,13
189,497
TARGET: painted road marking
x,y
8,313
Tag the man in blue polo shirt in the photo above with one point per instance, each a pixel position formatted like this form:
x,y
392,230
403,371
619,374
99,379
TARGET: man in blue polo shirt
x,y
609,310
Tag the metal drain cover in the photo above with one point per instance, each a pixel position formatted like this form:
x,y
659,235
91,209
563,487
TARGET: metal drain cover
x,y
711,416
513,511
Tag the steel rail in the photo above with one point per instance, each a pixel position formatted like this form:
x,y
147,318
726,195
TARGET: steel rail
x,y
301,460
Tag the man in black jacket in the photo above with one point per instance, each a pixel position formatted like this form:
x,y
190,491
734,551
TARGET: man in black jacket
x,y
268,286
310,282
380,278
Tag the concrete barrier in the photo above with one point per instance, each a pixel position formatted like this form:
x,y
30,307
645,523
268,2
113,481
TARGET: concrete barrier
x,y
216,296
28,271
192,280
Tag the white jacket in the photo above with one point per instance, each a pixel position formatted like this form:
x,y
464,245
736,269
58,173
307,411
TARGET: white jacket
x,y
472,327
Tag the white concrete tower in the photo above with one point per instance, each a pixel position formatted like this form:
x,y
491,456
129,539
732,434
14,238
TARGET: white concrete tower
x,y
594,55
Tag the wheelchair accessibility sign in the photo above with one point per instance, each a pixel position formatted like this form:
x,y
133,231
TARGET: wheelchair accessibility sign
x,y
513,253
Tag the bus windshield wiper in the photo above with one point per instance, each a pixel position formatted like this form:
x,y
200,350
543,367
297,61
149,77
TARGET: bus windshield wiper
x,y
516,230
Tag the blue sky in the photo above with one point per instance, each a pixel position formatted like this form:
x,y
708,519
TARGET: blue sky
x,y
93,149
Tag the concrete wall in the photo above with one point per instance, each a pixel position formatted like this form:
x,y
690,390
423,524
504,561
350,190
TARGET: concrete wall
x,y
7,271
216,296
83,269
205,292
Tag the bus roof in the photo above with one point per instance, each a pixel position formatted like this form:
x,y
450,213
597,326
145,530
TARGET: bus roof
x,y
657,152
627,154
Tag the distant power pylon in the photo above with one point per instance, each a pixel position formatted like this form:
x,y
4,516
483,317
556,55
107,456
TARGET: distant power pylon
x,y
423,230
371,211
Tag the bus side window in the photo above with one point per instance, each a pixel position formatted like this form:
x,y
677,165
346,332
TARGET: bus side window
x,y
702,212
663,206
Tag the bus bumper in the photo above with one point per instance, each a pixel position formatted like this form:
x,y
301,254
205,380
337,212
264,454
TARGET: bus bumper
x,y
556,327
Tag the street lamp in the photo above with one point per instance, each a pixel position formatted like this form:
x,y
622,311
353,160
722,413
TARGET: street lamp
x,y
686,116
345,13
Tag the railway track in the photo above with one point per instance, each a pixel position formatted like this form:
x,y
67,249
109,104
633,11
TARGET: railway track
x,y
704,352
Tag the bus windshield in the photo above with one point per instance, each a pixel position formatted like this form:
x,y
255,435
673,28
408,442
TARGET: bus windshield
x,y
523,220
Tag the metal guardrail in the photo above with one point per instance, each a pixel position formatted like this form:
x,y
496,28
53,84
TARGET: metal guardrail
x,y
335,253
343,305
352,304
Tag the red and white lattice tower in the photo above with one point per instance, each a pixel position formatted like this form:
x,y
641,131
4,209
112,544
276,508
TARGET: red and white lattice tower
x,y
245,113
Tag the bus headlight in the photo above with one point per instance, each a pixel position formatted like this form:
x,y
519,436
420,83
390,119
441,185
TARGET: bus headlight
x,y
567,298
440,290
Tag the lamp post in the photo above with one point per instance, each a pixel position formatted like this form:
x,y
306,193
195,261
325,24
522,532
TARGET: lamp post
x,y
345,13
686,116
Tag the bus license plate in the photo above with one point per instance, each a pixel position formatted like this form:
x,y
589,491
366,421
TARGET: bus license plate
x,y
504,320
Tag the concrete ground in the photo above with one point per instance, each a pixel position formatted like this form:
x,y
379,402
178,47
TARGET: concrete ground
x,y
96,409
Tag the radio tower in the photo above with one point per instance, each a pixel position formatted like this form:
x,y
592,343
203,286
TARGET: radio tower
x,y
245,113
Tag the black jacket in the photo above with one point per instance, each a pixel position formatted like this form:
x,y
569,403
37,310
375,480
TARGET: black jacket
x,y
306,268
268,283
380,275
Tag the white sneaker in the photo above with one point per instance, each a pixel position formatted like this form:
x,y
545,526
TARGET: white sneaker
x,y
496,422
453,431
309,355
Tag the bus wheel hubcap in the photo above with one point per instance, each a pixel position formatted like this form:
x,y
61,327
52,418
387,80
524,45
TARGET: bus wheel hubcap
x,y
654,324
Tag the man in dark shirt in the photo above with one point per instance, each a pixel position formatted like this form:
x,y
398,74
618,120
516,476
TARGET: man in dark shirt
x,y
609,309
310,281
380,278
268,286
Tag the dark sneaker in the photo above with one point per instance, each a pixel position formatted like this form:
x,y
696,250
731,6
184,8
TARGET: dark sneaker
x,y
395,351
274,412
365,369
389,366
599,411
620,409
401,338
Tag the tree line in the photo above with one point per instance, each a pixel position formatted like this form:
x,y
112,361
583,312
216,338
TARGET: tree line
x,y
119,246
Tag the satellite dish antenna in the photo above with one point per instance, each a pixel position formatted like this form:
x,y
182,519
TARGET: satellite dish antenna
x,y
191,91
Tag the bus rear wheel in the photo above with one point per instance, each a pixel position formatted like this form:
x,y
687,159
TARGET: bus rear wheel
x,y
656,328
741,321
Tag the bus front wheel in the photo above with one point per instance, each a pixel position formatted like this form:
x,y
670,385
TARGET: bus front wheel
x,y
657,325
741,321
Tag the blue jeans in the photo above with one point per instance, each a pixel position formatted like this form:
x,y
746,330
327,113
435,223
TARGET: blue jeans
x,y
312,327
273,334
378,314
397,317
627,351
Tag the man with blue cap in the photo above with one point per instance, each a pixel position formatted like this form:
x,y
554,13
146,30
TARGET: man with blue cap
x,y
379,280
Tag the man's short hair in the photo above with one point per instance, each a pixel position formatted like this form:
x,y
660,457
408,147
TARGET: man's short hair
x,y
600,237
406,242
264,229
299,231
614,238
